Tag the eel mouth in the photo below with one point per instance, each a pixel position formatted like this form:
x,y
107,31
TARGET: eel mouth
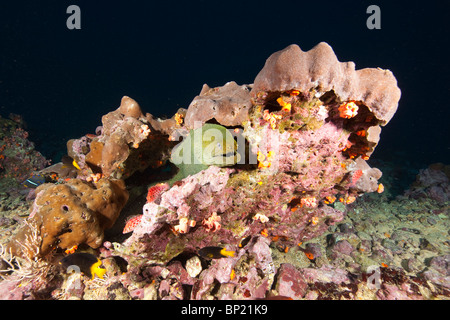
x,y
228,159
223,157
229,154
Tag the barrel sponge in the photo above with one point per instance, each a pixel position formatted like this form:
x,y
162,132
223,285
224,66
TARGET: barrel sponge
x,y
319,69
69,214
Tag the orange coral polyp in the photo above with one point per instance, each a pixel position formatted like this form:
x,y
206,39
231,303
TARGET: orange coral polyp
x,y
350,199
330,199
314,220
179,118
361,133
309,202
260,156
348,110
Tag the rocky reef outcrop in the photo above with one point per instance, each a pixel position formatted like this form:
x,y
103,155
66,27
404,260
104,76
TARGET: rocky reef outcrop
x,y
299,139
304,130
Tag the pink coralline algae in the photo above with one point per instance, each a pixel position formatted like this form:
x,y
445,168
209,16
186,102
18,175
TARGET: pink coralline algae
x,y
175,211
356,175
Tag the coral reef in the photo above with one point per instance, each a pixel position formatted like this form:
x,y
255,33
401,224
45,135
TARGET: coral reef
x,y
18,158
247,275
295,213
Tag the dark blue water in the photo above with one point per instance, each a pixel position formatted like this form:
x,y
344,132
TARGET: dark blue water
x,y
62,81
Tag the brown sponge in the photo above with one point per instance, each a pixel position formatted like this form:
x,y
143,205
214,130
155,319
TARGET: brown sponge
x,y
70,214
319,69
228,105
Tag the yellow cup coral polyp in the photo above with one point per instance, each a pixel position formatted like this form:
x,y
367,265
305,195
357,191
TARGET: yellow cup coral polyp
x,y
286,106
348,110
263,160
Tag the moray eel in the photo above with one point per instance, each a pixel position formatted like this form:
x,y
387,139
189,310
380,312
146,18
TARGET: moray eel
x,y
208,145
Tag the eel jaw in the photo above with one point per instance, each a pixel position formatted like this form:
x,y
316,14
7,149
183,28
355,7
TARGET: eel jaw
x,y
223,159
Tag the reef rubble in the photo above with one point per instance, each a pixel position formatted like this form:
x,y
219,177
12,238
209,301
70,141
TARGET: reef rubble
x,y
276,173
